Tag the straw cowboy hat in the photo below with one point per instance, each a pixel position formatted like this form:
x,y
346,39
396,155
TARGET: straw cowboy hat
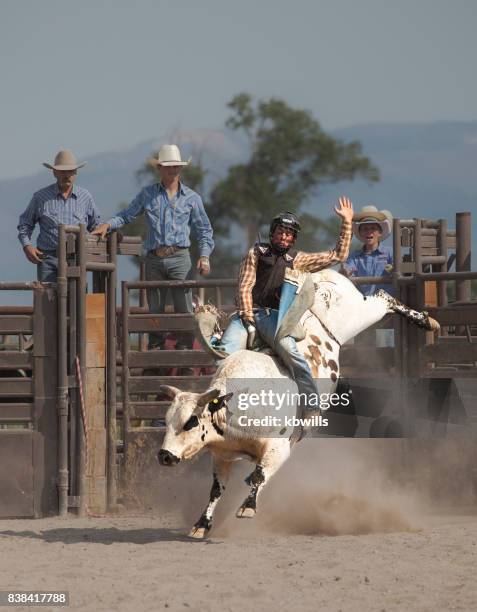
x,y
64,160
169,155
370,214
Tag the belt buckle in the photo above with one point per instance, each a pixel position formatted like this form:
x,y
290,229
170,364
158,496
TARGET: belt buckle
x,y
164,251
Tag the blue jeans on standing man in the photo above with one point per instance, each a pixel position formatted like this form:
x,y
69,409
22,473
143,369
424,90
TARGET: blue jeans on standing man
x,y
174,267
47,270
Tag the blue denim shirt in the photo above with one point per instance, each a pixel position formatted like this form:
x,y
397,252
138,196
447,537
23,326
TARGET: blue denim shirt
x,y
363,263
169,221
49,208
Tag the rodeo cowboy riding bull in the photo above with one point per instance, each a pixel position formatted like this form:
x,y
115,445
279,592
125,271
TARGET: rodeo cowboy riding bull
x,y
303,312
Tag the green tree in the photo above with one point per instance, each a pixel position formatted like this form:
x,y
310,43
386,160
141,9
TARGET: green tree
x,y
290,158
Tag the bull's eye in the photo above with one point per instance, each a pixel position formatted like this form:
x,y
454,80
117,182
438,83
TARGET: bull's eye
x,y
192,422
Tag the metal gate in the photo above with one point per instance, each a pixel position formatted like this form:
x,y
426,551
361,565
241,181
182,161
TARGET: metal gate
x,y
28,415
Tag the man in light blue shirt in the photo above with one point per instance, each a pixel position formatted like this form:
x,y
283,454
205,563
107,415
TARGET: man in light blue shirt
x,y
172,211
60,203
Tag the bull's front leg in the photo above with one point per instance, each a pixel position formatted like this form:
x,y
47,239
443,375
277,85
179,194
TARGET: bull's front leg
x,y
271,461
221,471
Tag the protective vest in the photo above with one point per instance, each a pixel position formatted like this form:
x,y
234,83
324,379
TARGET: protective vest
x,y
269,276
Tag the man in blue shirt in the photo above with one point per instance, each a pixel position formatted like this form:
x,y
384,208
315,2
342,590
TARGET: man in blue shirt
x,y
172,210
60,203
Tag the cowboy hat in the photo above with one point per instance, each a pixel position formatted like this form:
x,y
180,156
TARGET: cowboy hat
x,y
169,155
64,160
370,214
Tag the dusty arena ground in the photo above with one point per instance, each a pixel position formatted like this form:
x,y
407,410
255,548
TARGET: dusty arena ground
x,y
334,532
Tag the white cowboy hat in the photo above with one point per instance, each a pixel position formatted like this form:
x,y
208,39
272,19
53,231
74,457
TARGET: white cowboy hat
x,y
169,155
370,214
64,160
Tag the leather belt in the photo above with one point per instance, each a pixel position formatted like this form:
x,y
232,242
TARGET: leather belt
x,y
165,251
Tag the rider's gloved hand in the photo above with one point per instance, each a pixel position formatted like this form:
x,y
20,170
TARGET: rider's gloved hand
x,y
251,331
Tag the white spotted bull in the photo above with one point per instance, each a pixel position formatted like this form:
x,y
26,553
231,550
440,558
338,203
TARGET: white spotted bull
x,y
195,422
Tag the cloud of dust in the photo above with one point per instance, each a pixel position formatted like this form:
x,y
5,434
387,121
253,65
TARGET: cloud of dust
x,y
329,486
333,487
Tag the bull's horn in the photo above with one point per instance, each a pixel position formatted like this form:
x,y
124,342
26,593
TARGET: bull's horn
x,y
207,397
168,390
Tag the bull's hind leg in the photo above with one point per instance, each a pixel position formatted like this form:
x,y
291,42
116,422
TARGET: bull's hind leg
x,y
271,461
221,470
421,319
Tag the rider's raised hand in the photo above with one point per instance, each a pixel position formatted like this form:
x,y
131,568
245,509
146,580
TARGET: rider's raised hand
x,y
345,209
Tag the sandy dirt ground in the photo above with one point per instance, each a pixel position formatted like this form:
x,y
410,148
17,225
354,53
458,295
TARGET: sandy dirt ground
x,y
333,532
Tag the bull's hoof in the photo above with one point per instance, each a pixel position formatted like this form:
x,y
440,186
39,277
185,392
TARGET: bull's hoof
x,y
432,324
198,532
245,512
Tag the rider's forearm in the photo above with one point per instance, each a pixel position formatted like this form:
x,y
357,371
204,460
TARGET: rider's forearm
x,y
314,262
247,278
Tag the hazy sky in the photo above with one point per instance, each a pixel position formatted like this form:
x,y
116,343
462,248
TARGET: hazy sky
x,y
94,75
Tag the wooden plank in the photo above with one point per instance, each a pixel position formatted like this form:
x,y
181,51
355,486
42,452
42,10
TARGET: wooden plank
x,y
16,310
95,330
429,241
408,267
129,249
16,473
97,257
446,353
13,360
19,324
16,412
151,359
16,387
151,384
367,357
430,293
152,323
449,373
458,315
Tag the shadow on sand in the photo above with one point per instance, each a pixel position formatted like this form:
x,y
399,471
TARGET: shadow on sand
x,y
105,536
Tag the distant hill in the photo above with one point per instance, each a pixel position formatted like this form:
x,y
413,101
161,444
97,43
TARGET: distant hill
x,y
427,170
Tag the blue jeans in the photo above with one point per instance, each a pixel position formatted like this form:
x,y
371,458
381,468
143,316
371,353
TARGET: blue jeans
x,y
235,338
175,267
47,270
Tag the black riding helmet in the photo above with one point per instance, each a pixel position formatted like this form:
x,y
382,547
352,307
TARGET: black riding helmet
x,y
287,219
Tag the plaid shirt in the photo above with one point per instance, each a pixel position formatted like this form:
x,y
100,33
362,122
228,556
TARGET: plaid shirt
x,y
306,262
49,208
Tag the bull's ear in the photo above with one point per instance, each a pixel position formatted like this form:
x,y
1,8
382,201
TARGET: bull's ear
x,y
171,392
207,397
218,402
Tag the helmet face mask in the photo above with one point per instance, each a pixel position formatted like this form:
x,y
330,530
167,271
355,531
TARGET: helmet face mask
x,y
285,221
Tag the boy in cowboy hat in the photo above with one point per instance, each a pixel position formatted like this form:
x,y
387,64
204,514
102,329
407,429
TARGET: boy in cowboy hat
x,y
172,210
371,226
61,202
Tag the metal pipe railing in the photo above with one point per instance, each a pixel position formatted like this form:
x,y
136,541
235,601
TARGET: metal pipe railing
x,y
81,311
111,375
62,290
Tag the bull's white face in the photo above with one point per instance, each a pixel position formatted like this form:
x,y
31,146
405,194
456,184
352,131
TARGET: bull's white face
x,y
189,426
